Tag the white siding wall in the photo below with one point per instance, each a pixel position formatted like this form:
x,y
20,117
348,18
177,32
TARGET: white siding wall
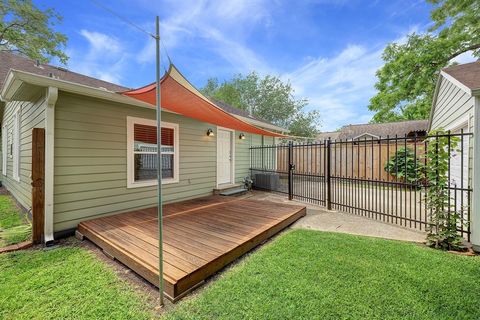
x,y
452,107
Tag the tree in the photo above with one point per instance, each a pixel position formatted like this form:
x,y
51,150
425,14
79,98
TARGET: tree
x,y
268,98
406,82
26,29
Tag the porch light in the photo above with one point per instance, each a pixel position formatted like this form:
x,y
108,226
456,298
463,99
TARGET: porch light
x,y
210,133
242,136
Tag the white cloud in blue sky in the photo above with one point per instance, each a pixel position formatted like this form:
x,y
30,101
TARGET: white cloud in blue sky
x,y
328,49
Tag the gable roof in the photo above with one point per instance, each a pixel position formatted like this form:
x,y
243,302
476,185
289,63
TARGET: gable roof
x,y
468,74
464,76
392,129
14,61
333,135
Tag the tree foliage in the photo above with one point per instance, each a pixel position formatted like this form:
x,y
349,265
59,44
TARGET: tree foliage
x,y
406,82
404,165
29,30
268,98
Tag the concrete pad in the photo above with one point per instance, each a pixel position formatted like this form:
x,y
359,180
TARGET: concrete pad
x,y
319,218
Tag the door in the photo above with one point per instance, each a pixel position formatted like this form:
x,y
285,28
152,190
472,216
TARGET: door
x,y
224,157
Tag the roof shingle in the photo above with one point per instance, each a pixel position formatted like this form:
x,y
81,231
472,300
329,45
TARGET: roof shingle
x,y
391,129
10,60
468,74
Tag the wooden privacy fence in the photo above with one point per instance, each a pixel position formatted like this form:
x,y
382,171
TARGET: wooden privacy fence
x,y
358,159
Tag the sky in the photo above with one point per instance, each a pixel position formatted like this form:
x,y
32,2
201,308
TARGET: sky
x,y
328,49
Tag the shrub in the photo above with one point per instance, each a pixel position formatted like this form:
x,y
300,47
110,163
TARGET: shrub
x,y
404,166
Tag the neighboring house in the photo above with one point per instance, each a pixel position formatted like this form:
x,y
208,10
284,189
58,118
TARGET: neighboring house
x,y
100,142
456,107
412,128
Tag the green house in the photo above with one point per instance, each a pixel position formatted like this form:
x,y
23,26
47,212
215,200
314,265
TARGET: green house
x,y
100,144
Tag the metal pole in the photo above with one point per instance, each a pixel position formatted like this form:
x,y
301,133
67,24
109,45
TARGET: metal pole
x,y
159,164
328,156
290,170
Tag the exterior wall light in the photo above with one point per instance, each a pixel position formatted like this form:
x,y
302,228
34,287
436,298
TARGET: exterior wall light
x,y
210,133
242,136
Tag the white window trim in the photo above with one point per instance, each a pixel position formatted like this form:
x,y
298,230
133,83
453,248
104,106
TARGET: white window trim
x,y
131,121
4,149
17,125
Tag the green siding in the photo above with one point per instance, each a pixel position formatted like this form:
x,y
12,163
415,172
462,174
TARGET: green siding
x,y
32,116
242,156
242,153
91,160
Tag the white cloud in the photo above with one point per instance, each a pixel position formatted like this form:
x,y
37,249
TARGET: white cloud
x,y
104,57
465,57
100,42
340,86
221,26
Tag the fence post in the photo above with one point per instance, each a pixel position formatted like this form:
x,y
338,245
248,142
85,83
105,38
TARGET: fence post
x,y
328,156
290,170
38,184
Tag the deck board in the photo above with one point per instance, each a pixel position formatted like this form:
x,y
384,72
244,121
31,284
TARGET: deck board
x,y
200,237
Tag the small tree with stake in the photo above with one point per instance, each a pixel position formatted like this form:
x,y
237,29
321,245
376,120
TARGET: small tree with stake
x,y
444,220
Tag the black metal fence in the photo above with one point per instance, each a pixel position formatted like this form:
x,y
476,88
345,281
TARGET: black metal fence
x,y
377,178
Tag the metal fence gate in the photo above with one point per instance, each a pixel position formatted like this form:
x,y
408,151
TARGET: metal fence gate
x,y
377,178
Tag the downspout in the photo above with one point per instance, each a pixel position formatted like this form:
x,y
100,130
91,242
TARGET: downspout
x,y
51,100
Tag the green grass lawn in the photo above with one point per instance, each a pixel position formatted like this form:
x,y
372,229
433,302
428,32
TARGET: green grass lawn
x,y
64,283
300,275
315,275
14,226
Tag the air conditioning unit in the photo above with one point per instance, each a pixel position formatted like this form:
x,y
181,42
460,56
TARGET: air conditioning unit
x,y
267,181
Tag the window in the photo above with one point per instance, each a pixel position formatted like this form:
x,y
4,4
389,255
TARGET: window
x,y
4,149
16,144
142,151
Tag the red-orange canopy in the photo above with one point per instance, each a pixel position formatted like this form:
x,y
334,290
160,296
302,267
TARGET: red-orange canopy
x,y
179,96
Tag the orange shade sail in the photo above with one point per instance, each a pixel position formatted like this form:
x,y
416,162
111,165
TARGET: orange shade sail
x,y
179,96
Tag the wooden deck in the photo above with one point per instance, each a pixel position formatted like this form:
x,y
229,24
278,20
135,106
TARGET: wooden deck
x,y
200,237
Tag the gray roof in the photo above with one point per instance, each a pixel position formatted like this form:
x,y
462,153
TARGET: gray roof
x,y
391,129
236,111
328,135
10,60
468,74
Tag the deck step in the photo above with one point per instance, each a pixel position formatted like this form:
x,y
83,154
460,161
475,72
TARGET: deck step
x,y
226,187
233,192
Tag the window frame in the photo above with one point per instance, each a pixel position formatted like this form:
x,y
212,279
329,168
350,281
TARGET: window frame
x,y
131,183
4,148
16,139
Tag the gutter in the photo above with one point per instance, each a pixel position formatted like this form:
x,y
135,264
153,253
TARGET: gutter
x,y
15,79
51,100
